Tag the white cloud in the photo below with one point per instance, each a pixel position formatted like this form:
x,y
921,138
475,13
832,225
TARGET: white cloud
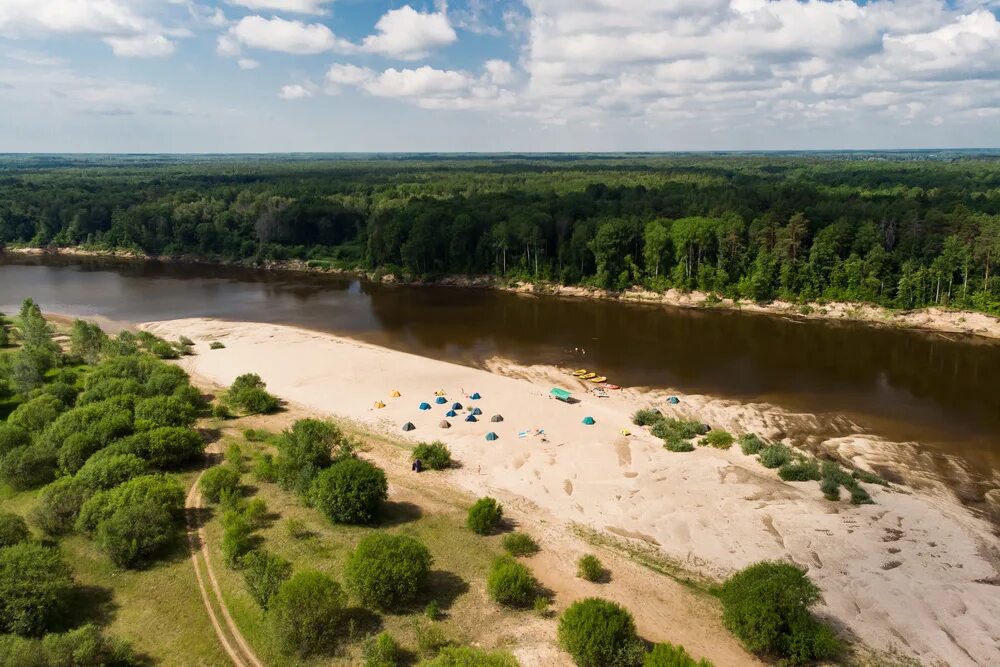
x,y
247,63
294,92
141,46
499,71
294,6
278,34
348,75
408,34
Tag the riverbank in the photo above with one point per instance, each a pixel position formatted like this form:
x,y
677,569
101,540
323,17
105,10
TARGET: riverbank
x,y
942,320
915,573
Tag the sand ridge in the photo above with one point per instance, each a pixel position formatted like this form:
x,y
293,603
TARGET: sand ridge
x,y
915,573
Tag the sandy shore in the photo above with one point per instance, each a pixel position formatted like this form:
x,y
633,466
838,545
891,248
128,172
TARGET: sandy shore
x,y
915,573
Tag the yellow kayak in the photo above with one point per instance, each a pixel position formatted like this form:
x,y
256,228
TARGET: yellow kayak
x,y
599,379
587,376
580,371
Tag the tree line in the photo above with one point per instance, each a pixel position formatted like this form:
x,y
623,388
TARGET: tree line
x,y
902,231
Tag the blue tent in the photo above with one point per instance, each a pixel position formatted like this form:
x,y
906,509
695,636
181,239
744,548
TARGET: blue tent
x,y
408,426
471,418
588,420
440,400
451,413
456,406
673,400
425,406
491,436
477,411
475,396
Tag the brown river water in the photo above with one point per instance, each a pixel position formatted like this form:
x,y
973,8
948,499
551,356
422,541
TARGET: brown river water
x,y
942,391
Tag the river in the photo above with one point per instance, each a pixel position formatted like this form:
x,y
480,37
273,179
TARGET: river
x,y
942,391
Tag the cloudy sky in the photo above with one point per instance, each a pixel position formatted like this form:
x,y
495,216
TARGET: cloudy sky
x,y
497,75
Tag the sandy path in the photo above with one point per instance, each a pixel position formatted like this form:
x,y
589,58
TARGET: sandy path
x,y
915,573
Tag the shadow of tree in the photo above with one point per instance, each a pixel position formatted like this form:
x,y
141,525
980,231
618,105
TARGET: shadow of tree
x,y
397,513
442,587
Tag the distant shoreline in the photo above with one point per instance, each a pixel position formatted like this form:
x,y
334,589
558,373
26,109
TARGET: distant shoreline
x,y
934,319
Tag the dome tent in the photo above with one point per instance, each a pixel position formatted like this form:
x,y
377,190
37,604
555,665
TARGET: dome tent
x,y
588,420
673,400
451,413
491,436
379,404
439,392
395,393
425,406
475,396
440,400
496,418
408,426
456,406
471,418
445,424
477,411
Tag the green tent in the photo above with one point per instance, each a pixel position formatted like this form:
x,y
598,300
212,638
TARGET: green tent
x,y
561,394
589,421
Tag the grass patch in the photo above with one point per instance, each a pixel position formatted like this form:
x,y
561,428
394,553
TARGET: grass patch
x,y
751,444
801,470
520,544
718,439
775,456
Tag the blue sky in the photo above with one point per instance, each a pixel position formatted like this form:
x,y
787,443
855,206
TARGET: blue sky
x,y
497,75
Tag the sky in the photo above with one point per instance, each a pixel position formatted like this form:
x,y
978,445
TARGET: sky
x,y
497,75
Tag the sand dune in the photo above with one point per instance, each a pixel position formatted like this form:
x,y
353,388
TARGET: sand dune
x,y
915,573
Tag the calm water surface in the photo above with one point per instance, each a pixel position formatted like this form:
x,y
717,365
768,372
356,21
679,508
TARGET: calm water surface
x,y
942,390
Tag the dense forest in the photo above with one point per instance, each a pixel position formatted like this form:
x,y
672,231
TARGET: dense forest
x,y
904,230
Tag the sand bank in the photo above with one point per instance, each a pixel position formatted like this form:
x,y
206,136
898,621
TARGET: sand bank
x,y
915,573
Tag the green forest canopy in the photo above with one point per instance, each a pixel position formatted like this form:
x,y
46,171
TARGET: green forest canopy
x,y
900,229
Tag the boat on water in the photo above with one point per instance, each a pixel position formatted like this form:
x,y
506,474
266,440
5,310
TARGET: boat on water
x,y
587,376
599,379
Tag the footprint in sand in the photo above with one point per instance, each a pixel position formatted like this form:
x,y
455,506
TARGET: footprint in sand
x,y
568,487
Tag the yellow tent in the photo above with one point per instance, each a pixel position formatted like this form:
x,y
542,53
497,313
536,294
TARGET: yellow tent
x,y
395,393
625,431
379,404
439,392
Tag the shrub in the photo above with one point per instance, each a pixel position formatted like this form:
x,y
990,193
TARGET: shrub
x,y
751,443
163,350
35,588
264,468
37,413
257,434
136,532
305,613
350,491
214,480
599,633
869,477
467,656
685,429
484,516
165,411
101,473
165,447
59,505
247,393
86,646
263,574
108,388
646,417
859,496
13,529
386,571
297,529
29,467
668,655
216,345
65,393
432,611
830,488
159,490
434,455
718,439
234,455
236,532
76,450
380,651
511,583
308,447
519,544
675,444
86,341
766,606
255,511
775,456
221,411
12,437
799,471
589,567
430,639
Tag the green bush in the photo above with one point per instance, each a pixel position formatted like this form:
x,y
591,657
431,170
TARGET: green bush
x,y
668,655
589,567
234,455
718,439
104,472
646,417
350,491
216,345
432,611
255,511
868,477
766,606
109,388
37,413
165,447
830,488
135,533
520,544
12,437
29,467
59,505
599,633
859,496
13,529
305,614
380,651
163,350
511,583
775,456
76,450
467,656
308,447
684,429
164,411
264,468
236,538
675,444
248,394
86,646
430,639
484,516
215,479
258,434
799,471
386,571
35,588
65,393
263,574
751,444
434,455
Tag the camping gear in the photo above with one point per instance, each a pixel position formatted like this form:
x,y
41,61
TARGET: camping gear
x,y
440,400
456,406
408,426
625,431
471,418
600,393
588,420
673,400
580,371
477,411
599,379
425,406
439,392
379,404
491,436
561,394
475,396
522,434
587,376
445,424
451,413
606,385
496,418
395,393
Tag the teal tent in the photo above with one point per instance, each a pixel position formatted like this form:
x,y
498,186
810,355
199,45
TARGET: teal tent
x,y
491,436
475,396
588,420
673,400
451,413
408,426
477,411
425,406
471,418
456,406
440,400
561,394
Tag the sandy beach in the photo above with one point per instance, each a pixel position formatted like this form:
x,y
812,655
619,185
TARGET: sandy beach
x,y
915,573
